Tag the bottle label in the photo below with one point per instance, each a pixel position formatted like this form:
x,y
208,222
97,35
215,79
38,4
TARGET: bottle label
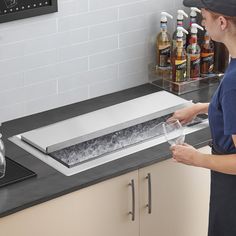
x,y
195,59
164,54
163,25
180,70
180,64
164,51
207,63
193,66
207,57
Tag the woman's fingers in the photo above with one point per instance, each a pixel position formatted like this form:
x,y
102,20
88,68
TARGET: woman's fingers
x,y
171,119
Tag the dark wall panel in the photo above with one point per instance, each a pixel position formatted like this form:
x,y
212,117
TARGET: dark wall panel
x,y
19,9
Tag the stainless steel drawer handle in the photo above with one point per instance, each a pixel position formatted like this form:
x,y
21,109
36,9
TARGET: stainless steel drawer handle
x,y
132,213
149,205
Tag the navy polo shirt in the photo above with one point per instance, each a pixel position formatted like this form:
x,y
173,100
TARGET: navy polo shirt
x,y
222,111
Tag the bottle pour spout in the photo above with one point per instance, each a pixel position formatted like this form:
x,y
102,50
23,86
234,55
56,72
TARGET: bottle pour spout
x,y
195,27
164,16
181,14
194,11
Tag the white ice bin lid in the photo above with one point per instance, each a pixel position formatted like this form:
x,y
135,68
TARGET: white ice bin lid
x,y
103,121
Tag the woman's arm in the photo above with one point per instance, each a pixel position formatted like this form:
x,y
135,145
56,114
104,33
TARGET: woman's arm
x,y
187,114
188,155
224,164
201,108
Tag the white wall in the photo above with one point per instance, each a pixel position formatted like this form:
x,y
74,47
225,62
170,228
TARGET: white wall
x,y
87,49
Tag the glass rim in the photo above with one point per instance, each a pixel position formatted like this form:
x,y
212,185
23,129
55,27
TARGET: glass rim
x,y
166,125
172,121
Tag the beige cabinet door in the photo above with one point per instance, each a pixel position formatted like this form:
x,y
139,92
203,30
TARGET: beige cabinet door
x,y
99,210
180,200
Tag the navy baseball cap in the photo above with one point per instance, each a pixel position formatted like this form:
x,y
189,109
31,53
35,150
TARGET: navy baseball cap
x,y
224,7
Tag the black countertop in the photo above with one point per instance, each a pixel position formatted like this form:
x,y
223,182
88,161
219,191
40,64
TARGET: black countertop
x,y
50,183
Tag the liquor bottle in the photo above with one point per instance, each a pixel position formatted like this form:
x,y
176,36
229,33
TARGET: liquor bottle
x,y
201,33
221,57
193,20
193,54
163,42
180,20
179,62
207,55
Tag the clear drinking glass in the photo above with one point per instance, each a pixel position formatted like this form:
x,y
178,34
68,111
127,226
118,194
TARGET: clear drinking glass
x,y
174,132
2,158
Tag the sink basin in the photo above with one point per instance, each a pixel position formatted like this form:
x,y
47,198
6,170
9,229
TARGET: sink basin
x,y
81,143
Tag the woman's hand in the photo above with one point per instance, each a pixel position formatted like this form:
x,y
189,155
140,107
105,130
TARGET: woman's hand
x,y
184,115
186,154
187,114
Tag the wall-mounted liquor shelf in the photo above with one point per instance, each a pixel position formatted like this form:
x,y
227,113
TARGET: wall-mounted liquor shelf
x,y
19,9
162,78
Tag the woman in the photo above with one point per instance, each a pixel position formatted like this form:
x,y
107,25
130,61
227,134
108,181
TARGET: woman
x,y
219,19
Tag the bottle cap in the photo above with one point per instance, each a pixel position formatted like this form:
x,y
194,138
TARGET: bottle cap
x,y
180,31
181,14
194,28
164,16
194,11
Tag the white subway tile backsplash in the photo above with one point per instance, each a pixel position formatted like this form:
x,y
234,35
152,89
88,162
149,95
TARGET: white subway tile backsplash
x,y
134,37
40,90
132,24
44,43
87,19
133,66
168,6
89,48
72,67
117,56
117,27
50,42
98,4
56,71
40,59
14,96
72,7
87,78
72,37
133,80
11,112
40,44
104,87
135,9
41,74
11,66
11,81
28,31
55,41
21,64
73,96
11,51
11,97
41,104
115,85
